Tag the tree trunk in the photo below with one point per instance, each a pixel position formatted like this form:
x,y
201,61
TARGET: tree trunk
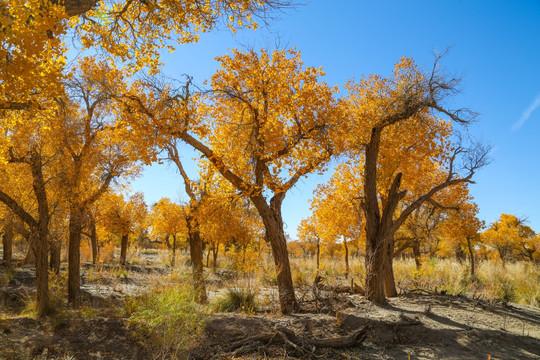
x,y
39,230
208,258
347,270
389,281
93,240
55,256
215,251
471,256
40,245
77,7
375,250
8,244
196,252
375,271
273,224
173,250
417,255
74,255
123,248
318,255
30,258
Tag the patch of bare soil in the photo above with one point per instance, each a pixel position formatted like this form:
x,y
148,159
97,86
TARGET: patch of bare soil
x,y
76,338
423,326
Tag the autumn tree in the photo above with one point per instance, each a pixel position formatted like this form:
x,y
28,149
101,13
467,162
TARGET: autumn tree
x,y
8,233
167,220
227,218
31,53
307,233
509,236
424,229
334,209
198,194
30,162
397,115
123,217
95,149
33,35
263,126
463,227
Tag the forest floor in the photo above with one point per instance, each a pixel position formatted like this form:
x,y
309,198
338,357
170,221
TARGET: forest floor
x,y
422,325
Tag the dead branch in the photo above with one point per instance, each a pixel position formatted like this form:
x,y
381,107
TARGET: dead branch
x,y
342,342
299,344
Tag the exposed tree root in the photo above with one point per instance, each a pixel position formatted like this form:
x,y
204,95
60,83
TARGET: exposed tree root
x,y
302,346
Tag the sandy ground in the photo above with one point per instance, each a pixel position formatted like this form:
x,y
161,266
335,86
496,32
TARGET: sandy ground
x,y
416,325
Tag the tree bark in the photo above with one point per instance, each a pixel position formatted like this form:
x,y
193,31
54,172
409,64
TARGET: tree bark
x,y
93,240
173,251
39,229
77,7
123,248
416,253
55,256
347,270
74,255
7,240
30,257
215,251
273,224
196,252
389,280
375,271
42,231
318,254
471,256
375,234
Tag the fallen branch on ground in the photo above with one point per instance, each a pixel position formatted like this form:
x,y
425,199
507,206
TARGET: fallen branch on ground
x,y
301,345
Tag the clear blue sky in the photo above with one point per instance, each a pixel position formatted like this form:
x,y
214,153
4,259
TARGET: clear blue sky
x,y
495,46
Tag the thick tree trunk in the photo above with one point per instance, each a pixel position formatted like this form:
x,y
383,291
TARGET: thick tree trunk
x,y
196,252
375,250
389,281
471,256
123,248
42,274
39,230
77,7
55,256
173,260
375,270
347,270
42,231
417,255
273,224
74,255
7,240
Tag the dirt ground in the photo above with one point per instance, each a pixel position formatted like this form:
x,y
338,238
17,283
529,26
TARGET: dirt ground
x,y
420,325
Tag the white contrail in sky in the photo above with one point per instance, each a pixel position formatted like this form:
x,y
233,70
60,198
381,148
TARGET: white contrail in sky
x,y
527,113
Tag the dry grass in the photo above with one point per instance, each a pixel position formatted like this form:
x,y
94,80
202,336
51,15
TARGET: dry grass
x,y
517,282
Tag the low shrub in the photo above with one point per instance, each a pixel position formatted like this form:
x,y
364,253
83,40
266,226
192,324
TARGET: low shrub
x,y
237,299
169,317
